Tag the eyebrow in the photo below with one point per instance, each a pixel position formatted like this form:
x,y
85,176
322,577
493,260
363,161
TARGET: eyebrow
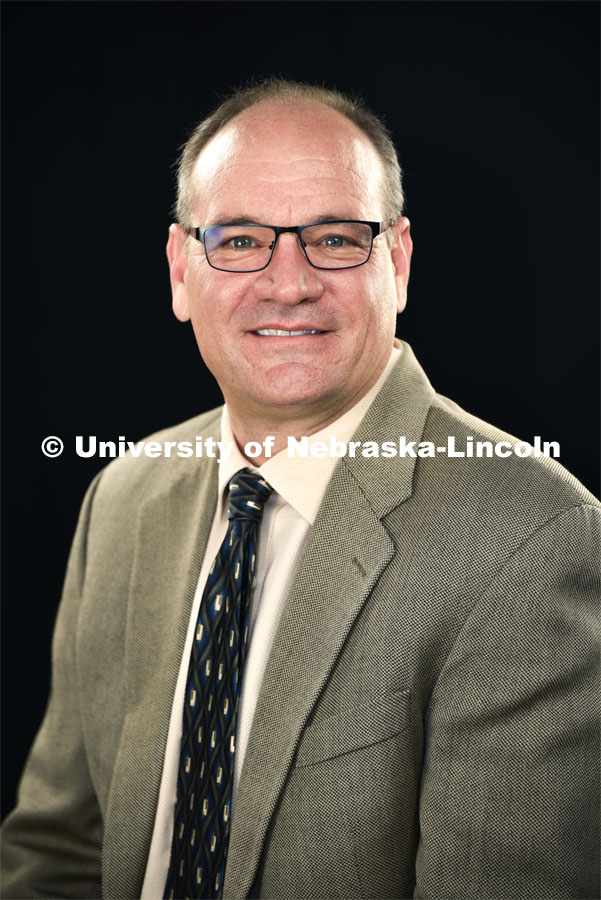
x,y
249,220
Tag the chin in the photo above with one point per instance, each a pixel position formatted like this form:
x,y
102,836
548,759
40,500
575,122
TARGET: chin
x,y
290,398
293,391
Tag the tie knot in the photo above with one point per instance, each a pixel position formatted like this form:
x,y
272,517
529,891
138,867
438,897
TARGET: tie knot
x,y
248,495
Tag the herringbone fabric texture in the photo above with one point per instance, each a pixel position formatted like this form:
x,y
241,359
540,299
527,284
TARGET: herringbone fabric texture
x,y
202,816
428,723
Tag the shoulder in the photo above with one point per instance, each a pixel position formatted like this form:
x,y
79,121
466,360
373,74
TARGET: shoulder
x,y
495,492
494,455
157,461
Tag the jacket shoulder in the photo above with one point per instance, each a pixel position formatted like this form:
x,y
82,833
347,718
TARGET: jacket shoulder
x,y
536,484
145,470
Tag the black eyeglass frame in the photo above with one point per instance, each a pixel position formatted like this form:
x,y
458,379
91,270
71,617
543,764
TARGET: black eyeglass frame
x,y
377,228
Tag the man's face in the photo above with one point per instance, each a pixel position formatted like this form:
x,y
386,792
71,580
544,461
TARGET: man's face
x,y
274,165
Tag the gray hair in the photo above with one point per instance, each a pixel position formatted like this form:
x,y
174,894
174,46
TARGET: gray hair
x,y
280,89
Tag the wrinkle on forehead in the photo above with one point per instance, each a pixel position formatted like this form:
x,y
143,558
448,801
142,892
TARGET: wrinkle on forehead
x,y
226,151
261,164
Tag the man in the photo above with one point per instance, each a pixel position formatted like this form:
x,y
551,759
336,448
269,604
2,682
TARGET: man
x,y
417,715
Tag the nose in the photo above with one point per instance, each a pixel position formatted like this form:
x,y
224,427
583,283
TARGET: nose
x,y
289,278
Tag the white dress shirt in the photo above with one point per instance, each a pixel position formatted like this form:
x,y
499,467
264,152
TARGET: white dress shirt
x,y
299,484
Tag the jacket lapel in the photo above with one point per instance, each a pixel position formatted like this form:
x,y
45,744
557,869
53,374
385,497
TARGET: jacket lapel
x,y
347,550
172,534
342,561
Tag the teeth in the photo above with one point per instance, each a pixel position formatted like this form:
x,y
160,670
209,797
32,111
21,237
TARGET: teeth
x,y
278,332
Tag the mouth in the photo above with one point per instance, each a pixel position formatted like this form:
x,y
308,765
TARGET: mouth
x,y
281,332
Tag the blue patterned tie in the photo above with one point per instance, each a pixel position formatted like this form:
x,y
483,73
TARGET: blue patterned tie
x,y
205,781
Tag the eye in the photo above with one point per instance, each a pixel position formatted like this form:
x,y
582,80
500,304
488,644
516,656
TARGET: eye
x,y
334,241
241,242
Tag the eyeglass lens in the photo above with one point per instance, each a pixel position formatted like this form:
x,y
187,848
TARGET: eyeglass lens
x,y
332,246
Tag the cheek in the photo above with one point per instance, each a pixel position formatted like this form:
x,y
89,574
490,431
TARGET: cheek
x,y
202,312
382,289
376,300
218,295
207,301
214,305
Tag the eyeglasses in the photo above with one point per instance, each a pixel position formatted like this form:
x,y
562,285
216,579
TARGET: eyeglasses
x,y
245,247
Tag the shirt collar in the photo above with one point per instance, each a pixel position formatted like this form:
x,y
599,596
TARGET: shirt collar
x,y
301,481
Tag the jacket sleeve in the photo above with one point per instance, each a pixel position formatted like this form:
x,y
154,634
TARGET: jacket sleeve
x,y
509,803
52,840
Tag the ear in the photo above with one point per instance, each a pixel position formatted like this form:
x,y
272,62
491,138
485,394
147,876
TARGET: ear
x,y
400,252
178,266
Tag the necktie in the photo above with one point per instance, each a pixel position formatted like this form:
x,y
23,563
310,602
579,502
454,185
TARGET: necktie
x,y
202,817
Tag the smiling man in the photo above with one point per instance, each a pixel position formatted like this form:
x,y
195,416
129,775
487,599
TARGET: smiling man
x,y
303,330
371,676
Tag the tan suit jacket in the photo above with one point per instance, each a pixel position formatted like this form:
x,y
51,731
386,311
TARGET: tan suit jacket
x,y
427,725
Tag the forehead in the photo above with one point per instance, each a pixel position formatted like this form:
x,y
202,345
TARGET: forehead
x,y
286,164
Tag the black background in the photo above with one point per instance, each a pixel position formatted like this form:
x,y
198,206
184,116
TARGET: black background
x,y
494,107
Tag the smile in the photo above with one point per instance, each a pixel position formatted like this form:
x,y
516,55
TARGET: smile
x,y
278,332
